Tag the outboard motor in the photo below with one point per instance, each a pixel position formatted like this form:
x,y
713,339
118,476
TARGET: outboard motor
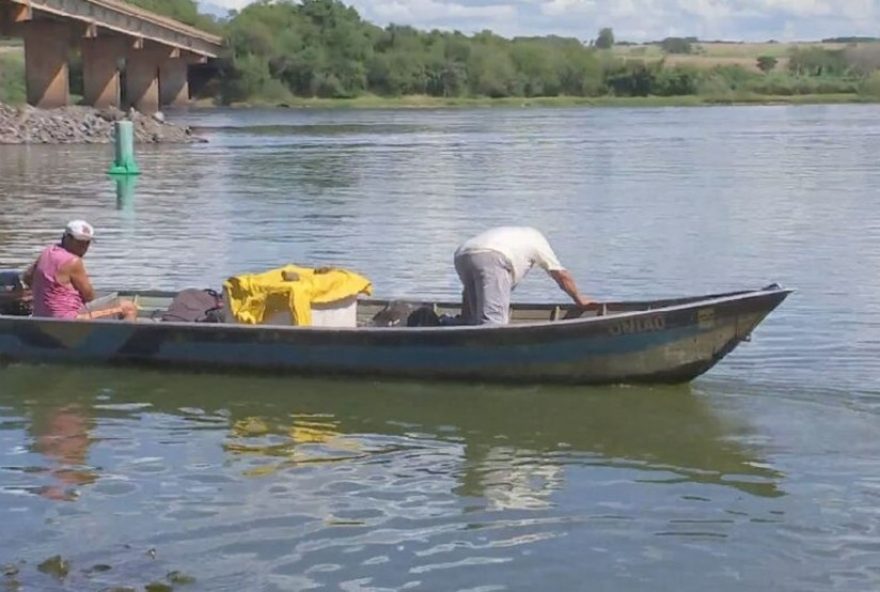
x,y
15,297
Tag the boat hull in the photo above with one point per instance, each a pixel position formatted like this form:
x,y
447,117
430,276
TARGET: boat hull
x,y
666,344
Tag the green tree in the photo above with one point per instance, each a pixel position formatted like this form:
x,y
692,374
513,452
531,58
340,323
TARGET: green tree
x,y
605,40
632,78
580,72
817,61
324,48
537,68
677,81
677,45
491,70
314,48
767,63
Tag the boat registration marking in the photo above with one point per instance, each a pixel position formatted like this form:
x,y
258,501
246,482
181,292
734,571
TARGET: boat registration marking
x,y
639,325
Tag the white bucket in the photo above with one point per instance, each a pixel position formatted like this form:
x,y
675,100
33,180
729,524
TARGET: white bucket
x,y
339,313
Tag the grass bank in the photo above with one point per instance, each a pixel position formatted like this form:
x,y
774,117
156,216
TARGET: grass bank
x,y
12,88
427,102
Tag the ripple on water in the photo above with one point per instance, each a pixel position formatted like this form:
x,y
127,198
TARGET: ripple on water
x,y
762,472
115,487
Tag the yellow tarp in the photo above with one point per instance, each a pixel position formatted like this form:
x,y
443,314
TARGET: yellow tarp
x,y
254,297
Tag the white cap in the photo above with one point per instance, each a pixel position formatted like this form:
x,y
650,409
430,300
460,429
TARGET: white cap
x,y
80,230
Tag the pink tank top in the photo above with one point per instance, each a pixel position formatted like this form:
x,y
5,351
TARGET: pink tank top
x,y
51,298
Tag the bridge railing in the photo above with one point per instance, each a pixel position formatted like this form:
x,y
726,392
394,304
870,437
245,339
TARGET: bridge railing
x,y
133,21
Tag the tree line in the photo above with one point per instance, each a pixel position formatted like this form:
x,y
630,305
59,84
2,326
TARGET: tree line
x,y
323,48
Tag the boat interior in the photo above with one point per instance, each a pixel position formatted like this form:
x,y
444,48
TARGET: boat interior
x,y
394,313
391,313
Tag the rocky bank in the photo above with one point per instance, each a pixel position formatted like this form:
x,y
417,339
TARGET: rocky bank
x,y
83,125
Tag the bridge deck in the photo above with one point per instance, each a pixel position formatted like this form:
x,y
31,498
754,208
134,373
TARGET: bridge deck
x,y
130,20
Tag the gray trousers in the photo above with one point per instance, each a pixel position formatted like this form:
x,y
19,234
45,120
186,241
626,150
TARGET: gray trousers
x,y
487,278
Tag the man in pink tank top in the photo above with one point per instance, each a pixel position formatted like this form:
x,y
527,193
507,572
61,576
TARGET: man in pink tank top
x,y
60,285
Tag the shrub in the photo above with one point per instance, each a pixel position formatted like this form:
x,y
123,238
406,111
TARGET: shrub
x,y
715,87
870,86
767,63
677,45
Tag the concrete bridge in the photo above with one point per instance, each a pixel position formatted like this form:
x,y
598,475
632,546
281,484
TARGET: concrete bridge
x,y
126,52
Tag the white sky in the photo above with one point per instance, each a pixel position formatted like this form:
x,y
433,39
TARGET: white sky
x,y
636,20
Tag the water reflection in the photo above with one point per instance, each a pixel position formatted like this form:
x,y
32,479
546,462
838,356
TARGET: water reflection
x,y
277,483
125,191
278,446
511,445
62,435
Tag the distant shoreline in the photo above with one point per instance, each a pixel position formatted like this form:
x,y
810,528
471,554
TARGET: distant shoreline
x,y
426,102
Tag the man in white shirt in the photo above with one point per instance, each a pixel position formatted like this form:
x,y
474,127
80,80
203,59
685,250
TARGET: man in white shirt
x,y
491,264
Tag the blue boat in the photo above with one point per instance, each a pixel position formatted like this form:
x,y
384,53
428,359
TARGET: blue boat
x,y
660,341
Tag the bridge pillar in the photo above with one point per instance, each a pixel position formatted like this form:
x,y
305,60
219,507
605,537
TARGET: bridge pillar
x,y
46,51
12,14
101,71
174,82
142,76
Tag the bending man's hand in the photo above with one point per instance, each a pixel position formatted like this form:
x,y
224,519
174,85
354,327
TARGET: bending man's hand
x,y
584,301
567,284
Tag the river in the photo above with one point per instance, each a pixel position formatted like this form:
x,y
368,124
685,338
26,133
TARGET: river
x,y
764,473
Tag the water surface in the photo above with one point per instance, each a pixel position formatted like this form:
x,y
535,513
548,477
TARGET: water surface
x,y
761,474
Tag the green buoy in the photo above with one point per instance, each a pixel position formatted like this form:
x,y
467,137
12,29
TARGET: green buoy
x,y
124,164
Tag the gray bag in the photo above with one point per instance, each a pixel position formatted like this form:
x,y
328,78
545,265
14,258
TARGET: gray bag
x,y
195,306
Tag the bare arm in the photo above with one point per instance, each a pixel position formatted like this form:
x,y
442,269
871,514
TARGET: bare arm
x,y
79,279
566,283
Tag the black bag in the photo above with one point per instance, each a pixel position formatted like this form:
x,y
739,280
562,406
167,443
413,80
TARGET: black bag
x,y
423,316
195,306
398,314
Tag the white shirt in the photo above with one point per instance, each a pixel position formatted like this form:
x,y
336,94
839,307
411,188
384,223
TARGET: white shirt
x,y
522,246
